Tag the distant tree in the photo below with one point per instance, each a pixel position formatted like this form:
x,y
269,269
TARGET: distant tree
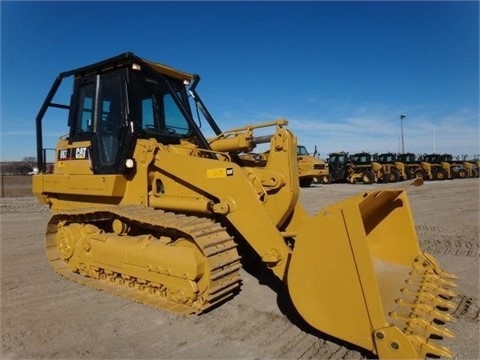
x,y
30,160
23,167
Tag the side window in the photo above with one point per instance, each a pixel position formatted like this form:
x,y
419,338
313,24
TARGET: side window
x,y
147,113
85,112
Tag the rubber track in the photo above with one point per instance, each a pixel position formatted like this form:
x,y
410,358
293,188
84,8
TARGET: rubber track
x,y
216,244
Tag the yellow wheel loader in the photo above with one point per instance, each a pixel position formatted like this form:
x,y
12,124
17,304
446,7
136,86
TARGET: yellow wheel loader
x,y
149,205
434,165
392,169
472,167
363,168
460,169
414,168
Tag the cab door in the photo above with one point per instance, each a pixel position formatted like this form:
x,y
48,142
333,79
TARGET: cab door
x,y
100,117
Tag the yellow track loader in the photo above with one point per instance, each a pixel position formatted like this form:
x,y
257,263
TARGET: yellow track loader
x,y
148,205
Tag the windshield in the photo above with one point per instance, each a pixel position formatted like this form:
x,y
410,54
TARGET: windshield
x,y
407,157
386,158
337,158
361,158
432,158
302,150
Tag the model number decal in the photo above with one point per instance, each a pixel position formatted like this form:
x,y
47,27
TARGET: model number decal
x,y
219,173
80,153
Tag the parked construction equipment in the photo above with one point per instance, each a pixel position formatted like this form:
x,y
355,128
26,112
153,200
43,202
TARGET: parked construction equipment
x,y
311,169
353,168
338,166
436,167
460,169
413,167
365,168
392,169
472,166
146,206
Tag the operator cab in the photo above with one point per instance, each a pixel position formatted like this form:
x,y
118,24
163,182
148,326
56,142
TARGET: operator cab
x,y
337,159
387,158
408,158
114,108
361,158
119,100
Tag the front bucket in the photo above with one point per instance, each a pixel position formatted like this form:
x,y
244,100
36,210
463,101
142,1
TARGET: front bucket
x,y
357,273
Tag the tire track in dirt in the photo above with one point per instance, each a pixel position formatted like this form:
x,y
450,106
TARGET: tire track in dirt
x,y
467,309
306,346
460,241
275,336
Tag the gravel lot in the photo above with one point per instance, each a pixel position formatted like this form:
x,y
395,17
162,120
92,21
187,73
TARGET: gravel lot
x,y
45,316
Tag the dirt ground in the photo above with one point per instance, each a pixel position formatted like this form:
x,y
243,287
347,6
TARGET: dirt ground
x,y
45,316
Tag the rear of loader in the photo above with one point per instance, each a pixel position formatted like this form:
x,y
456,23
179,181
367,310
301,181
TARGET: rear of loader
x,y
157,218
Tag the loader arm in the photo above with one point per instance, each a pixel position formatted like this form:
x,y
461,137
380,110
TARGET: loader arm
x,y
264,198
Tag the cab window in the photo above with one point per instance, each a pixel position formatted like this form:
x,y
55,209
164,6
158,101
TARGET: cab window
x,y
84,121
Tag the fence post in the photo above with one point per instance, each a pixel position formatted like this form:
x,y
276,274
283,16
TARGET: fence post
x,y
3,185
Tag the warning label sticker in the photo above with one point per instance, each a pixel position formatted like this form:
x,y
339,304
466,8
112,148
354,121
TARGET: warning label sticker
x,y
219,173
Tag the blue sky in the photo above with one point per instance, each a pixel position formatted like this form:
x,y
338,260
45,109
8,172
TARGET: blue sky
x,y
342,73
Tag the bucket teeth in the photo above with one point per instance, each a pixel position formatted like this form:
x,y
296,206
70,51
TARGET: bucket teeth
x,y
417,325
430,298
432,287
430,328
427,308
430,347
445,282
434,278
447,275
422,310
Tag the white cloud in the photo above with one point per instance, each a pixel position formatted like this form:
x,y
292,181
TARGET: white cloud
x,y
335,125
374,129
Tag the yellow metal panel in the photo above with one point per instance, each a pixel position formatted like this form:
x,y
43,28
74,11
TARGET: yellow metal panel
x,y
102,185
323,279
390,227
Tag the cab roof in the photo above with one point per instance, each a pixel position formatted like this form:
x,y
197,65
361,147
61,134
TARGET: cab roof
x,y
126,59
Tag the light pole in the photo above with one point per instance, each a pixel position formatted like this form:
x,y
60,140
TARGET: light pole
x,y
403,116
